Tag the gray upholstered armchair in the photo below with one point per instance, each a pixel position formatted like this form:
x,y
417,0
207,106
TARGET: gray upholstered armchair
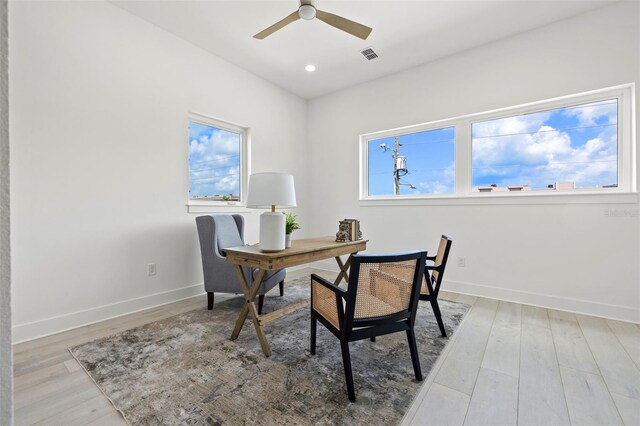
x,y
217,232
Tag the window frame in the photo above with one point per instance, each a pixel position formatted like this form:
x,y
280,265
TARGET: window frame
x,y
625,192
199,206
364,157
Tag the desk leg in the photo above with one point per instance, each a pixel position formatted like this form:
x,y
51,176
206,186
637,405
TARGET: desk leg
x,y
250,308
344,269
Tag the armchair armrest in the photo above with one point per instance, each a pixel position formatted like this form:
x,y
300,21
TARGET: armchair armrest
x,y
326,301
334,288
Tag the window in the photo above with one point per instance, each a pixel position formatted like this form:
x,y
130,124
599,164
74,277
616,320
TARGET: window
x,y
574,147
217,163
415,163
578,144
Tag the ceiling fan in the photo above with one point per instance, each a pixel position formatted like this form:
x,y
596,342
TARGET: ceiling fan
x,y
308,11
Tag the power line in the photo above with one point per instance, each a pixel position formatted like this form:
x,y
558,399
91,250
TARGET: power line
x,y
421,143
547,164
543,131
220,158
214,177
213,168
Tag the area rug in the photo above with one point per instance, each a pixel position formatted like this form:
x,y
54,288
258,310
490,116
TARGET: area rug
x,y
185,369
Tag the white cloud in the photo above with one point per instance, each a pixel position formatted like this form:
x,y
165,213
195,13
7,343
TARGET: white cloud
x,y
443,185
547,156
588,115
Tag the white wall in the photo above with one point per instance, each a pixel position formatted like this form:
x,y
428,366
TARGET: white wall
x,y
99,103
6,353
567,256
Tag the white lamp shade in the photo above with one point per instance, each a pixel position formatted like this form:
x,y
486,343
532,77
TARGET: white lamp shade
x,y
271,189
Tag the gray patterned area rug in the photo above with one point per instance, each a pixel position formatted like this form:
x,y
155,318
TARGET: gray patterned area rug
x,y
185,370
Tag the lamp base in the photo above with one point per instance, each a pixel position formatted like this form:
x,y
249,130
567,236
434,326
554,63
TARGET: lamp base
x,y
272,227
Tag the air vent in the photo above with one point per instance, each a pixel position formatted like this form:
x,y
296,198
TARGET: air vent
x,y
369,54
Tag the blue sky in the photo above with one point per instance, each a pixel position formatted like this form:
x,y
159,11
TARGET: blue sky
x,y
430,161
214,161
574,144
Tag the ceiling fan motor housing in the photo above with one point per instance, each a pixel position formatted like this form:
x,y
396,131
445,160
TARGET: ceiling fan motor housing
x,y
307,12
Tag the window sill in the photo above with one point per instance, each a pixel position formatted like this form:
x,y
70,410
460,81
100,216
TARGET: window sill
x,y
216,207
507,199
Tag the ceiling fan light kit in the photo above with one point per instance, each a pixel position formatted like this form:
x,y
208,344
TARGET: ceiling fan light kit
x,y
308,11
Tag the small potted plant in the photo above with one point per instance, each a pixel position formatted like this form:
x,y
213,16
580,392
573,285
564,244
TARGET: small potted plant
x,y
291,225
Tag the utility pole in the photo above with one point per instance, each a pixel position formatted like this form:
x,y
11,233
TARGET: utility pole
x,y
399,166
396,173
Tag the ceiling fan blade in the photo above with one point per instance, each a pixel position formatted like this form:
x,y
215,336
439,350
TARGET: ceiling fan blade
x,y
344,24
275,27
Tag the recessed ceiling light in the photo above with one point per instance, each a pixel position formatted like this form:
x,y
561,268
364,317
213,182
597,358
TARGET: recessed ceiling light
x,y
310,68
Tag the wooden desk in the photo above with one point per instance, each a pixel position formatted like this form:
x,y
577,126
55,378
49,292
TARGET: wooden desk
x,y
301,252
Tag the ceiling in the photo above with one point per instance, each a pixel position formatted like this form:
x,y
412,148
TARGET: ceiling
x,y
405,34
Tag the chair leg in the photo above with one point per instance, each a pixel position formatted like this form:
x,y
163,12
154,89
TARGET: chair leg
x,y
346,361
413,348
281,285
436,311
260,303
373,339
312,339
209,300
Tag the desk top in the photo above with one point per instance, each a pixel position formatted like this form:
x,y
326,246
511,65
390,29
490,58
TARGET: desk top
x,y
301,251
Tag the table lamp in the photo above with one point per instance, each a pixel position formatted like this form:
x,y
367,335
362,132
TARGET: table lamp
x,y
268,190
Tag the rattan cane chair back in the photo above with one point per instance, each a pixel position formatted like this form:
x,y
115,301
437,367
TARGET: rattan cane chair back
x,y
433,275
440,262
384,289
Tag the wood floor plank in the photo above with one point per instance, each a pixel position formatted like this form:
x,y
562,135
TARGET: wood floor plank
x,y
588,399
22,366
56,402
26,397
571,346
441,406
72,365
503,347
620,373
541,395
509,314
460,370
629,336
494,400
39,376
466,299
447,295
533,315
81,414
629,408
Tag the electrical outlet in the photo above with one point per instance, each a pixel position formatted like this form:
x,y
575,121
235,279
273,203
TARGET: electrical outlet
x,y
462,262
151,269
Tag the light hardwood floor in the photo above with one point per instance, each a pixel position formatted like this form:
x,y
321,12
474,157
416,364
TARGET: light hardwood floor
x,y
506,364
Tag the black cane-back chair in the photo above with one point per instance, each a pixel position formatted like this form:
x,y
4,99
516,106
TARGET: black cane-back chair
x,y
382,298
433,275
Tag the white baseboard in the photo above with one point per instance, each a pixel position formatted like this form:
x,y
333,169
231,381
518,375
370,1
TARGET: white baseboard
x,y
53,325
579,306
60,323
